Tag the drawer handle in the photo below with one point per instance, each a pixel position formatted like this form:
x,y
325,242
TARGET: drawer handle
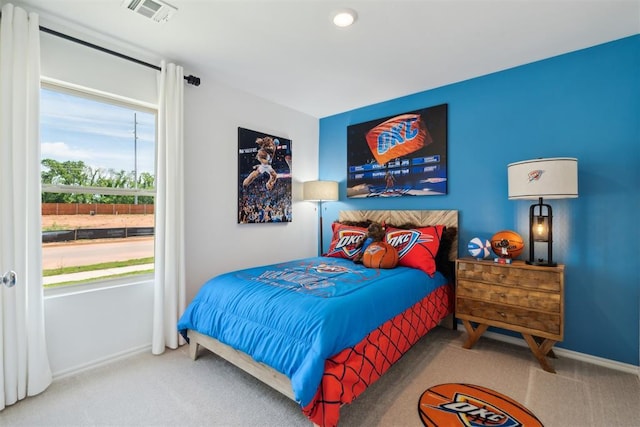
x,y
503,295
502,314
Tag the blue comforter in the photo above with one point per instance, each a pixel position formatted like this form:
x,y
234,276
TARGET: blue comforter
x,y
292,316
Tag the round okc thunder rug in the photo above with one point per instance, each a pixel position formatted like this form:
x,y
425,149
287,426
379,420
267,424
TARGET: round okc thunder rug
x,y
471,405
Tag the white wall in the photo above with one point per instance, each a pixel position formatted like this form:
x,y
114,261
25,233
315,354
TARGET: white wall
x,y
84,329
215,241
89,328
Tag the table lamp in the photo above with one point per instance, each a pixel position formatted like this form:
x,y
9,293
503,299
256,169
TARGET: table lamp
x,y
552,178
320,191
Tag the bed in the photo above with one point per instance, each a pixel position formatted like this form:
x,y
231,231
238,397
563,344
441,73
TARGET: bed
x,y
321,330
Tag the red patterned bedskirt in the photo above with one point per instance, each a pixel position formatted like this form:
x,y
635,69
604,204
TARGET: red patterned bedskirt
x,y
350,372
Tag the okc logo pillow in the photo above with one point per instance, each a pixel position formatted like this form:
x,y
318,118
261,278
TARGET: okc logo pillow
x,y
417,247
345,240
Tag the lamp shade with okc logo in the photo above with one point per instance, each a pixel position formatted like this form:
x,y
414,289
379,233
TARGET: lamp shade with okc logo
x,y
555,178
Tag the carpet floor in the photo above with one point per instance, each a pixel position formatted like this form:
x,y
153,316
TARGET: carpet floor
x,y
173,390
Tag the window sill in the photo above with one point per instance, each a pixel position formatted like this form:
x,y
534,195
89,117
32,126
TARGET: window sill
x,y
98,285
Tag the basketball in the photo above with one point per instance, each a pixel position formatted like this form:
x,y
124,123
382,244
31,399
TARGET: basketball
x,y
507,244
380,255
479,248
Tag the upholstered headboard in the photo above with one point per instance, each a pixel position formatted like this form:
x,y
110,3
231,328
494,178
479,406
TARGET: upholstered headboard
x,y
420,218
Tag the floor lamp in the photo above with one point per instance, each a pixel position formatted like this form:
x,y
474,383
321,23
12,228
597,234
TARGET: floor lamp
x,y
320,191
538,179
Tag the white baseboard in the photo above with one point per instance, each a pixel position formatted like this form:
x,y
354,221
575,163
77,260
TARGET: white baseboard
x,y
101,362
612,364
570,354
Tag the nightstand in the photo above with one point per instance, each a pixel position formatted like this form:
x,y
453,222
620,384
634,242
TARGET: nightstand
x,y
517,297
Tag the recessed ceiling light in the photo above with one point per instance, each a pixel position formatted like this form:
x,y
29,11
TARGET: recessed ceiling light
x,y
345,17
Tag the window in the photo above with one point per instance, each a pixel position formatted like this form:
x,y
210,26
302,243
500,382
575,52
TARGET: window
x,y
98,186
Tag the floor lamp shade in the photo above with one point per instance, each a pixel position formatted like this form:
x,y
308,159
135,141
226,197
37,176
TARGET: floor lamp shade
x,y
537,179
320,191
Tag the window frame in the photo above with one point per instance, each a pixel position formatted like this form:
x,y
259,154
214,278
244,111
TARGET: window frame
x,y
121,101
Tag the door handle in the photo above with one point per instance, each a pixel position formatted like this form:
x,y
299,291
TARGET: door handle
x,y
9,279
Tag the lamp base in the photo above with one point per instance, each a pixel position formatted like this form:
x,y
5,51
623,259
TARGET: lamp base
x,y
541,263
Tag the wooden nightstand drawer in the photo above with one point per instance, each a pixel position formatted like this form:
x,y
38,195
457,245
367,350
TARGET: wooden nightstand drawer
x,y
520,297
504,274
515,318
517,296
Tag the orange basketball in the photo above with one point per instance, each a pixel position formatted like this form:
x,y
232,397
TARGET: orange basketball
x,y
507,244
380,255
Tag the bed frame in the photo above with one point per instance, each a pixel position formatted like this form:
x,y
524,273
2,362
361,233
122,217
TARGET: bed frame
x,y
277,380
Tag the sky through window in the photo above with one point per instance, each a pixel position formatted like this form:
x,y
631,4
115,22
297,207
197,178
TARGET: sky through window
x,y
98,133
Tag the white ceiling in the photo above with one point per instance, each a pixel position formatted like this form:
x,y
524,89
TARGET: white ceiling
x,y
290,53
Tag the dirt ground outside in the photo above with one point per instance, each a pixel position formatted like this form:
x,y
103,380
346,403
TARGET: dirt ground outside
x,y
74,253
72,222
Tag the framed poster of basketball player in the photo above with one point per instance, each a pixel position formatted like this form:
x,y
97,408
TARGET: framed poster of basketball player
x,y
401,155
264,177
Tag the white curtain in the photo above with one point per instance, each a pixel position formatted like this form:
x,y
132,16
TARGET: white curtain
x,y
24,365
169,294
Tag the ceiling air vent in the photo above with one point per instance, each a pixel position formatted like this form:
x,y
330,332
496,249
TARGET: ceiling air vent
x,y
157,10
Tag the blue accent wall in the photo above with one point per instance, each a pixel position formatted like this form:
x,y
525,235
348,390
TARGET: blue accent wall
x,y
584,104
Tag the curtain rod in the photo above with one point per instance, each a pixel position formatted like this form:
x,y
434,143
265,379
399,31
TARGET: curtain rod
x,y
191,79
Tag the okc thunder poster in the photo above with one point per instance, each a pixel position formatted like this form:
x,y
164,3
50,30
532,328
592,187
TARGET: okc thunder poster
x,y
401,155
264,177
